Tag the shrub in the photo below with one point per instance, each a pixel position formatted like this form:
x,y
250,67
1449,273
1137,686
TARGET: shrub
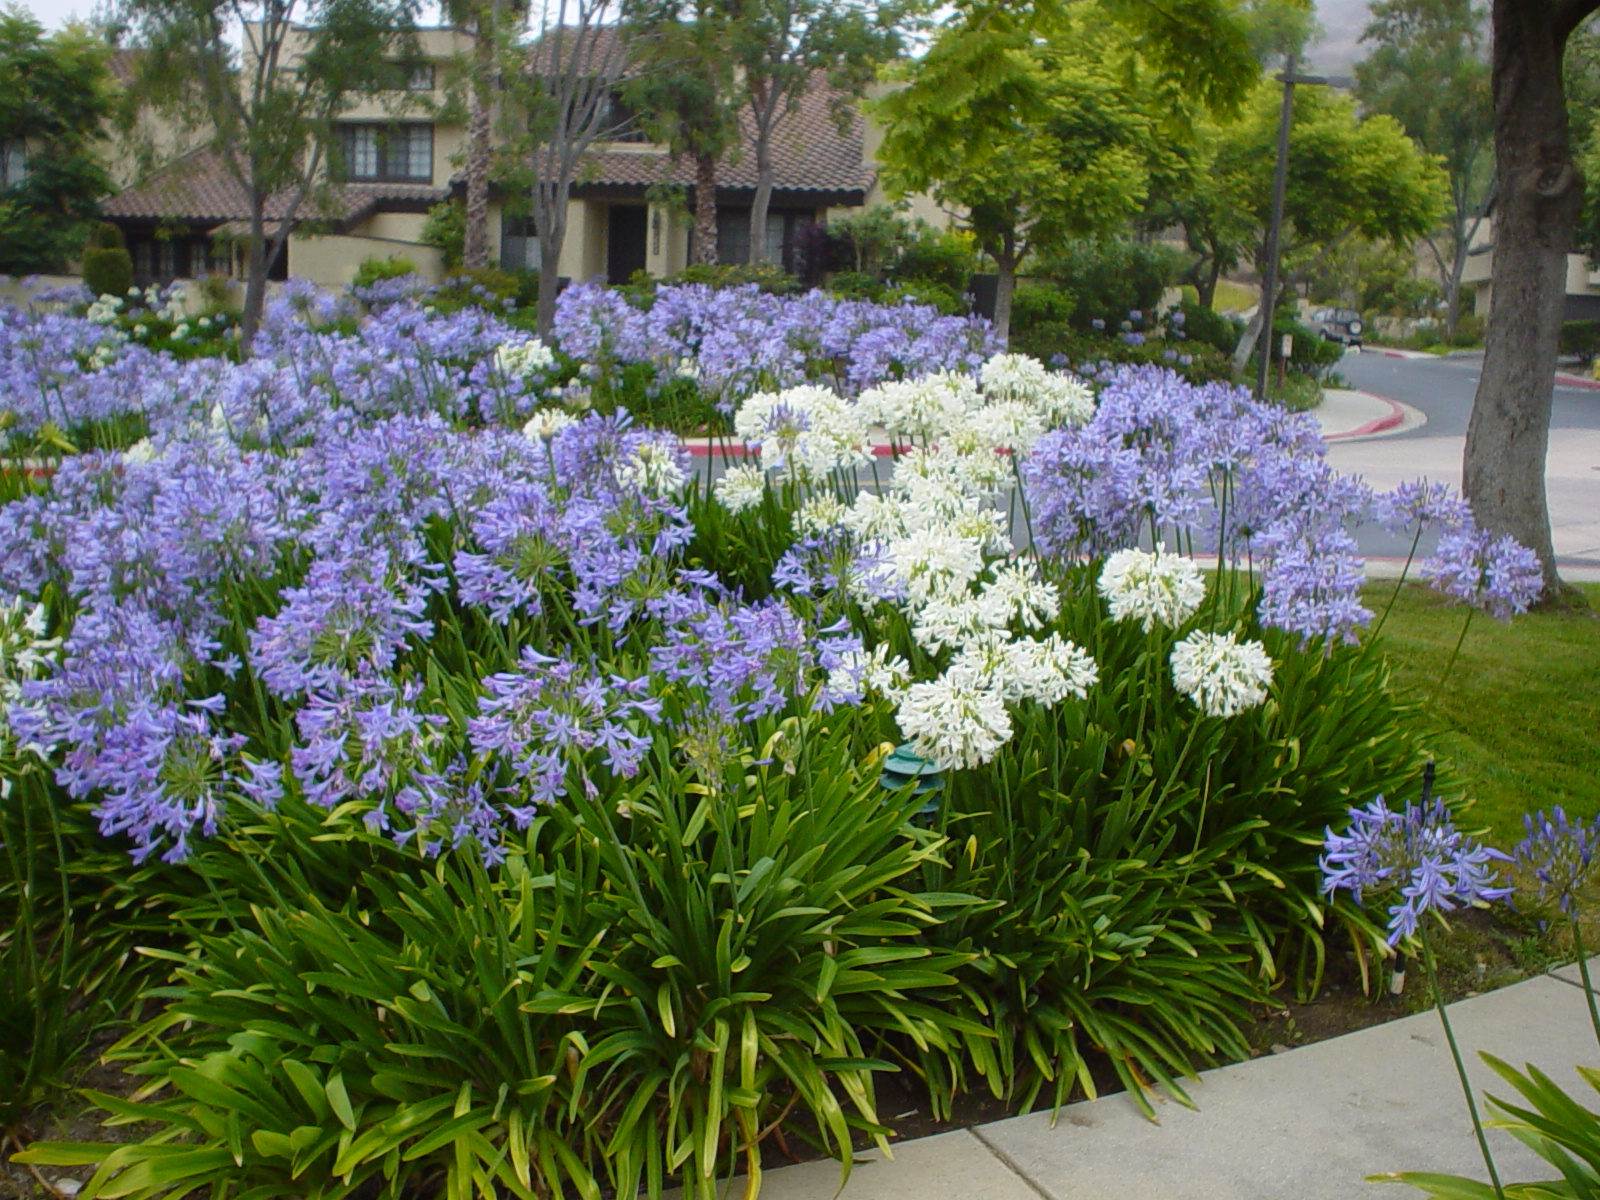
x,y
1066,345
1209,327
1033,306
107,265
1469,331
1109,279
1580,340
374,269
446,231
1311,354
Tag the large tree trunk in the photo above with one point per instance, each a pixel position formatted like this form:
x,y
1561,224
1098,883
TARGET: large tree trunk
x,y
1207,286
480,149
1540,192
705,209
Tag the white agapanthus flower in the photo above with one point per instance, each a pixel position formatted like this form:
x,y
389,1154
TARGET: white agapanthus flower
x,y
25,654
924,410
688,368
518,360
951,620
1016,593
932,562
141,452
742,487
546,423
1222,675
805,430
1046,671
874,518
653,468
1153,588
1009,425
956,720
818,515
104,310
1059,399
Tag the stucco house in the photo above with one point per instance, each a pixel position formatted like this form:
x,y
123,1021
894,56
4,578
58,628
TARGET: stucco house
x,y
400,158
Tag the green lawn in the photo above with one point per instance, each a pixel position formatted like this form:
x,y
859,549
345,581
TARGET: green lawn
x,y
1518,718
1233,297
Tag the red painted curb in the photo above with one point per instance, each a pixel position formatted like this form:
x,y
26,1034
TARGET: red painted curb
x,y
706,448
1577,381
1395,416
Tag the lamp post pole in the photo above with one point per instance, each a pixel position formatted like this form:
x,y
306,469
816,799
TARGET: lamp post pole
x,y
1280,182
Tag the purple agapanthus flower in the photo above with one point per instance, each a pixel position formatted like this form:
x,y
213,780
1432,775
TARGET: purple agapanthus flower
x,y
1416,857
1559,856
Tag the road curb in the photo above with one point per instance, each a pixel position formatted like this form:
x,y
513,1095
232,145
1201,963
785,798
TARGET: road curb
x,y
1394,417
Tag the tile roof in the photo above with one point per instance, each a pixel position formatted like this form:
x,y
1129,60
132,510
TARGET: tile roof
x,y
198,188
809,153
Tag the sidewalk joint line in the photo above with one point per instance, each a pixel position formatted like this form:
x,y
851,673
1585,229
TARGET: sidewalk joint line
x,y
1008,1162
1551,973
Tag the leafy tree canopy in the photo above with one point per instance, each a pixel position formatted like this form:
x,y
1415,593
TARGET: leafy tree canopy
x,y
54,97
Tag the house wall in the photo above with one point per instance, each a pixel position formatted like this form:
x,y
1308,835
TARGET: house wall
x,y
332,261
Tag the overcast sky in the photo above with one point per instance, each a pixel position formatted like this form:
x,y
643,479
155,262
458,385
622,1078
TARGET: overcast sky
x,y
1343,20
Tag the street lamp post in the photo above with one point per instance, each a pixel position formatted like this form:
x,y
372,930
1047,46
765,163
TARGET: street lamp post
x,y
1280,182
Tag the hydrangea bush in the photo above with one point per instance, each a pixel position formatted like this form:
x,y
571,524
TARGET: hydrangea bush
x,y
386,609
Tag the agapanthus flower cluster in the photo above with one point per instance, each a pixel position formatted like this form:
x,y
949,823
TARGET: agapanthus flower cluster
x,y
1222,675
1558,857
1416,857
741,340
26,654
1152,588
550,714
1497,574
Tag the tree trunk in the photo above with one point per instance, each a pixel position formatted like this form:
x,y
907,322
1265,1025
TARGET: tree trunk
x,y
550,223
1207,287
763,200
480,151
1248,339
1540,193
255,278
705,209
1005,287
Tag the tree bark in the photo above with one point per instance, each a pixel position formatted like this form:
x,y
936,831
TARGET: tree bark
x,y
550,223
762,202
1004,289
1540,193
480,151
705,209
1207,287
255,278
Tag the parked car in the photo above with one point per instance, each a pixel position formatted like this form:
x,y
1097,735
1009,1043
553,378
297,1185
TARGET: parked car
x,y
1337,325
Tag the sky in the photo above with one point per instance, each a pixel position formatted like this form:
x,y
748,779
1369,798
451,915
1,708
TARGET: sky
x,y
1342,20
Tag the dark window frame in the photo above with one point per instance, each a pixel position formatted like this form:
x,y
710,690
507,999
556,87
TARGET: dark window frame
x,y
346,132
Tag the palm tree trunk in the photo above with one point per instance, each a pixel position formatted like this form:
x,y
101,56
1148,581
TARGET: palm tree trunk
x,y
705,209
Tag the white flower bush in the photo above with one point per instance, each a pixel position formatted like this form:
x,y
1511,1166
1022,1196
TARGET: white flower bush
x,y
519,360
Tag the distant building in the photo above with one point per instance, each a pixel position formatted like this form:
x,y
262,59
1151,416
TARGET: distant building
x,y
1583,281
184,218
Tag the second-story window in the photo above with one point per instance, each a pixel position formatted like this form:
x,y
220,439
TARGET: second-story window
x,y
395,153
13,162
623,122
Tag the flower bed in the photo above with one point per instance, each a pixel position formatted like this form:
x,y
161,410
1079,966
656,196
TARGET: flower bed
x,y
510,809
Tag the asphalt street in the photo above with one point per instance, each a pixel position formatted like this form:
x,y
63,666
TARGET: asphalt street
x,y
1442,389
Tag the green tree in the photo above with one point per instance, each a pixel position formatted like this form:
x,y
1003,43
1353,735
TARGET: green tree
x,y
1428,69
494,26
1348,177
1039,140
781,47
54,99
683,87
263,82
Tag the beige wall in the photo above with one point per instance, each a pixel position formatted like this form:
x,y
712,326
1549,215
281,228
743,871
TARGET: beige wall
x,y
332,261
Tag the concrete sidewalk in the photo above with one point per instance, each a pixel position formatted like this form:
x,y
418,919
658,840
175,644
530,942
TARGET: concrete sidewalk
x,y
1307,1124
1349,415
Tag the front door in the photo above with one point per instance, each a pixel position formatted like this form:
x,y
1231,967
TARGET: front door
x,y
625,246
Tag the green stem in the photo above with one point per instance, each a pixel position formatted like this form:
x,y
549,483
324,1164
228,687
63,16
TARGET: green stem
x,y
1583,970
1449,665
1461,1070
1398,584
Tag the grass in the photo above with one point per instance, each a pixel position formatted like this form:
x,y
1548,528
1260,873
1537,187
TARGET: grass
x,y
1233,297
1517,718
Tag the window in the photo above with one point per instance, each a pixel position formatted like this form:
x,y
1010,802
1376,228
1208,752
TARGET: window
x,y
623,123
519,244
387,152
13,162
733,234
